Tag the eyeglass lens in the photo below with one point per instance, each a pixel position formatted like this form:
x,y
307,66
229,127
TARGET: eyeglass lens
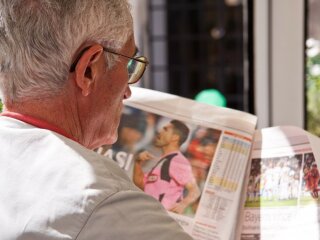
x,y
136,69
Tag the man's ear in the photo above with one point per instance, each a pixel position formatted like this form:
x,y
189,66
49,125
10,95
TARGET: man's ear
x,y
175,137
86,68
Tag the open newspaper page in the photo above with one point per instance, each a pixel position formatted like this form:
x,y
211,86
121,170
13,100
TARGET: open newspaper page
x,y
282,200
191,157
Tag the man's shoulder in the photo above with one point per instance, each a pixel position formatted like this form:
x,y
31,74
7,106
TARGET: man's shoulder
x,y
180,157
53,180
104,172
131,215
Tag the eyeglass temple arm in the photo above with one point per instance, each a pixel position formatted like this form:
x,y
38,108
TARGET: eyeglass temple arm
x,y
134,58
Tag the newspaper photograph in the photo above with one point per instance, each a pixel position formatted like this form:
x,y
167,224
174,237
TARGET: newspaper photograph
x,y
192,162
282,199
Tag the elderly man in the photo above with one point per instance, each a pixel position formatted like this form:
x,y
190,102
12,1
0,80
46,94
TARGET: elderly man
x,y
65,66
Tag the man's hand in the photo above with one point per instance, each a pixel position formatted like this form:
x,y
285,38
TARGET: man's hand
x,y
138,175
179,207
193,193
144,156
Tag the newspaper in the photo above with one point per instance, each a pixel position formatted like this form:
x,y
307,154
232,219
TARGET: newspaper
x,y
282,199
207,170
224,179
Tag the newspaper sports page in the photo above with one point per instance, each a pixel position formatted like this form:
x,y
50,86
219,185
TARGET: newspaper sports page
x,y
282,199
199,180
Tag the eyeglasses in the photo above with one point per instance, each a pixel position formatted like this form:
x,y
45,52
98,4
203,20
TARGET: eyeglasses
x,y
136,65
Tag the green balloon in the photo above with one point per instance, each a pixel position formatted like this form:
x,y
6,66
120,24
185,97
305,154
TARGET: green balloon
x,y
212,97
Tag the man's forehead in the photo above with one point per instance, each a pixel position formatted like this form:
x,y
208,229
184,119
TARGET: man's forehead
x,y
131,45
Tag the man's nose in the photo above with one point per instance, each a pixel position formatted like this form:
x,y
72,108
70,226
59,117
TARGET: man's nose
x,y
127,93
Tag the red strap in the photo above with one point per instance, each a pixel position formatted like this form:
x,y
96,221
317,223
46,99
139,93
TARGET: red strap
x,y
36,122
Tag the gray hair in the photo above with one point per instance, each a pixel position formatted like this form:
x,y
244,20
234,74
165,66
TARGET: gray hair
x,y
38,40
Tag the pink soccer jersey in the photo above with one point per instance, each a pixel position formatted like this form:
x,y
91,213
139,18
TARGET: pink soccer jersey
x,y
166,181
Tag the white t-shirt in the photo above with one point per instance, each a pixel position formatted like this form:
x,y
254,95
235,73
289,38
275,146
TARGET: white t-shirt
x,y
51,187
